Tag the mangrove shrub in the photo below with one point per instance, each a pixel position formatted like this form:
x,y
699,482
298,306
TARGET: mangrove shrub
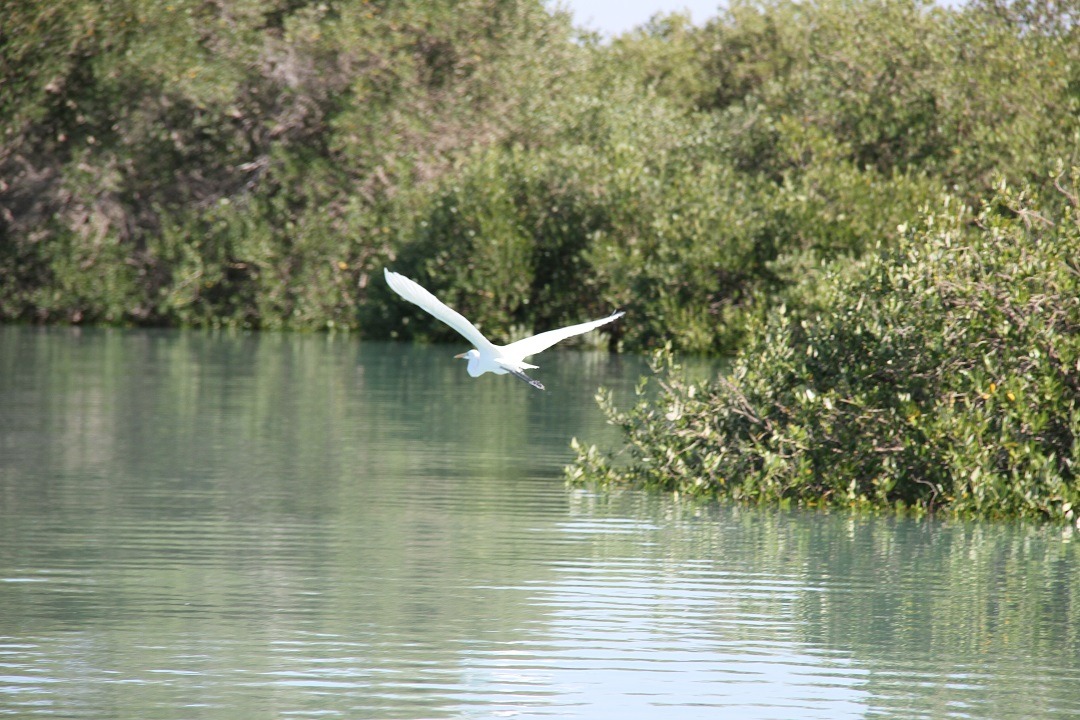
x,y
256,164
941,373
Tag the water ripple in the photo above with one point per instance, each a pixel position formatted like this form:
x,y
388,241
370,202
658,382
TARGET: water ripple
x,y
293,526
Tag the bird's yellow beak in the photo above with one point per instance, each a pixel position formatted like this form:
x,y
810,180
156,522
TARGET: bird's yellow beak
x,y
460,356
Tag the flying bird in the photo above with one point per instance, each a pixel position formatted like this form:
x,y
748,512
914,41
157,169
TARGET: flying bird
x,y
486,356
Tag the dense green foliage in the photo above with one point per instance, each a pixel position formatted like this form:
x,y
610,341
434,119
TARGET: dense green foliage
x,y
944,372
255,164
203,163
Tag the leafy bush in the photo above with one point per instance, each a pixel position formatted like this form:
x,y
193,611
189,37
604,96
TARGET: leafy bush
x,y
941,373
960,93
255,164
633,215
269,139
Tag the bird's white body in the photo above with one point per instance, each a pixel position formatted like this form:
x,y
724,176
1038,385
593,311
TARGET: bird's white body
x,y
486,357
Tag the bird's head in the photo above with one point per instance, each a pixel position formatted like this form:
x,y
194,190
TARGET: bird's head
x,y
473,356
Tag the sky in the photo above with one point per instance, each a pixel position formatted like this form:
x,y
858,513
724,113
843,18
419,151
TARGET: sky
x,y
611,17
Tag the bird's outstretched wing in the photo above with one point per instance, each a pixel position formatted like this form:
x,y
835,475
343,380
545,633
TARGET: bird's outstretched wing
x,y
537,343
417,295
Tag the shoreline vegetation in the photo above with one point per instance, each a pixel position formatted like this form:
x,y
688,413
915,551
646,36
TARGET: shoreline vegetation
x,y
871,205
942,375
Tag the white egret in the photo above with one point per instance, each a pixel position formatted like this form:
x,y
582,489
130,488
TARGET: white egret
x,y
485,355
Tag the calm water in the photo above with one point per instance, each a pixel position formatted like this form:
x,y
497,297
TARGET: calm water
x,y
237,526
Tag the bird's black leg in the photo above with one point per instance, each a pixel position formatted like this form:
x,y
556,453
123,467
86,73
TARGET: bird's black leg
x,y
525,378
